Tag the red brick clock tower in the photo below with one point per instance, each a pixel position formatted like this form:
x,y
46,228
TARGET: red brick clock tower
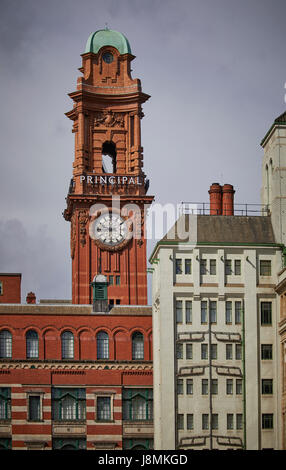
x,y
107,199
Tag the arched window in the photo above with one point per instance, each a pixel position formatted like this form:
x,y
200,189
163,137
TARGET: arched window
x,y
109,157
137,346
67,345
5,344
32,344
102,345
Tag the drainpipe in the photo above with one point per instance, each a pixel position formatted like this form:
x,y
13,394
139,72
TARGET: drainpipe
x,y
210,377
243,376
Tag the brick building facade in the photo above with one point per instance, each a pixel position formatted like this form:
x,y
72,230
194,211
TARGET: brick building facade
x,y
74,375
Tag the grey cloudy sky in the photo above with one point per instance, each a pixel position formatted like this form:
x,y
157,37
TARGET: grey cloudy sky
x,y
215,70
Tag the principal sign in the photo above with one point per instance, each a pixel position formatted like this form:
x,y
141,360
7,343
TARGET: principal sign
x,y
106,180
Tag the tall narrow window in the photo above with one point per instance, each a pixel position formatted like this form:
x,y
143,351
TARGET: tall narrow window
x,y
32,344
189,351
34,408
228,312
205,421
228,270
189,386
1,288
67,345
213,267
237,267
266,351
229,421
228,351
237,312
178,266
102,342
188,266
5,403
266,313
190,421
179,311
103,409
109,157
5,344
204,314
188,311
205,386
265,267
180,386
204,351
131,130
213,309
229,386
137,346
203,266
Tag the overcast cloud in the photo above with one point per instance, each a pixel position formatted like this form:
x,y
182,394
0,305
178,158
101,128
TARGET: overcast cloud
x,y
215,70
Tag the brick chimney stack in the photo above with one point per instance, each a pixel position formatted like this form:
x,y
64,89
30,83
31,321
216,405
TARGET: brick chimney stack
x,y
221,199
227,199
215,193
31,298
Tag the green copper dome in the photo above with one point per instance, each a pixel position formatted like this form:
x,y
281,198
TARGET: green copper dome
x,y
107,37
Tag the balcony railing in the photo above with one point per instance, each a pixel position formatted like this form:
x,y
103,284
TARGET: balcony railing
x,y
204,208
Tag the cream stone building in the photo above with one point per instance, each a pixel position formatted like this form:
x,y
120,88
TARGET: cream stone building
x,y
216,313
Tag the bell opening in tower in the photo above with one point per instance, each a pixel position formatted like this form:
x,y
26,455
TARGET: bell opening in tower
x,y
109,157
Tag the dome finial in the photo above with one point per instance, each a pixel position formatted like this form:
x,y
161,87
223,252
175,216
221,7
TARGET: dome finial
x,y
106,26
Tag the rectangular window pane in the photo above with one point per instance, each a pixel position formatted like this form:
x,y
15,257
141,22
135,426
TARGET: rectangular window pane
x,y
204,317
204,351
267,421
1,288
267,387
203,266
266,351
34,408
188,311
180,421
205,386
228,350
103,409
5,403
188,266
117,280
214,386
265,268
189,351
111,280
205,421
179,311
238,388
229,421
179,351
229,386
213,310
189,386
178,266
239,421
238,312
180,386
214,421
228,266
237,267
266,313
214,351
238,352
212,267
190,421
228,312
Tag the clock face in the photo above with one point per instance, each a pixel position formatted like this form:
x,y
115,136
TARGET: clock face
x,y
110,229
107,57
